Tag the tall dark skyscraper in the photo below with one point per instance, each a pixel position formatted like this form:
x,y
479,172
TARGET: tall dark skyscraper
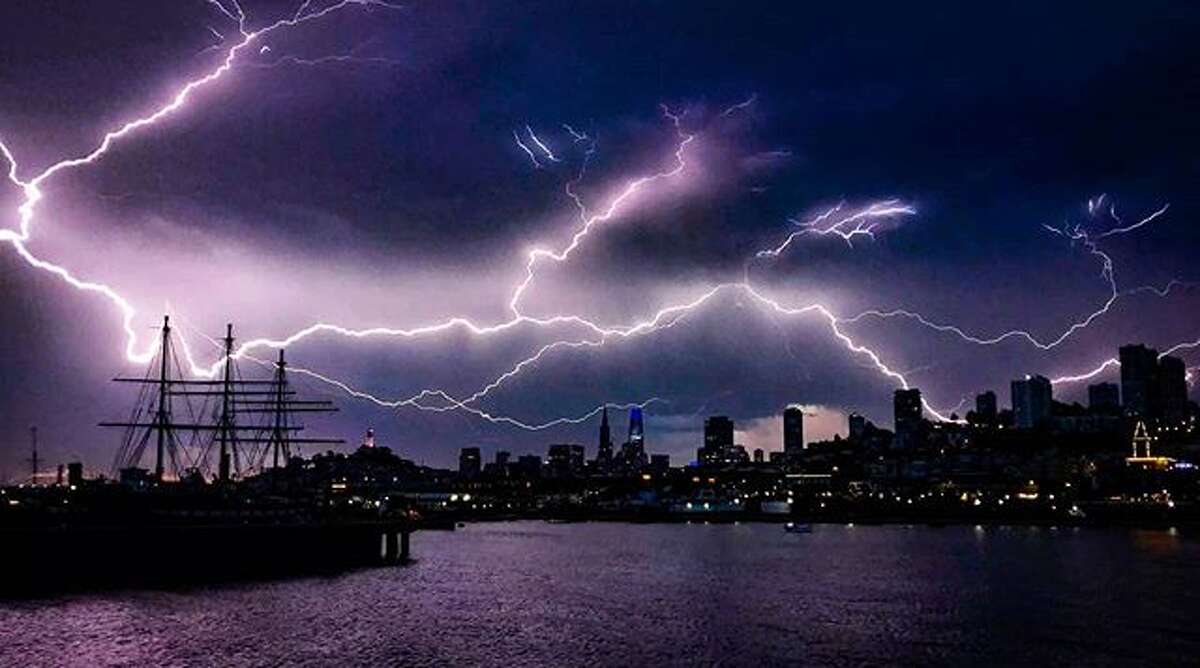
x,y
1172,390
908,414
469,462
1104,398
793,432
719,447
1139,382
718,439
605,452
718,432
856,426
1032,399
985,408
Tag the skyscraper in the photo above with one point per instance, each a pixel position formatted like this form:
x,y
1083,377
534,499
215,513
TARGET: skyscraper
x,y
1139,383
985,408
605,453
1172,390
1032,399
633,451
1104,398
718,439
908,415
469,462
499,467
636,430
856,427
793,433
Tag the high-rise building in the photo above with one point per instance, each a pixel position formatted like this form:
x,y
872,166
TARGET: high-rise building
x,y
565,459
633,451
1104,398
1032,399
793,432
856,426
469,462
907,414
718,439
1139,382
604,454
636,428
985,408
759,456
1172,390
718,432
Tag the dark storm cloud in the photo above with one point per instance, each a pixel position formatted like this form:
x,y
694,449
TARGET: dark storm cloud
x,y
392,193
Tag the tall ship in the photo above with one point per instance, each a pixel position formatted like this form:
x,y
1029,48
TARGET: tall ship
x,y
207,483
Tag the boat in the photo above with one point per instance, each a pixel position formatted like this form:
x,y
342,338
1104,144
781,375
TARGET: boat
x,y
794,527
258,512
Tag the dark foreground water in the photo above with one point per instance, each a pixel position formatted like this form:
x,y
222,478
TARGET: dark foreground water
x,y
531,593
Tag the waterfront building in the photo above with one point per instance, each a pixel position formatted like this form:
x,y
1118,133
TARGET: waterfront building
x,y
1032,399
604,454
469,462
1172,391
718,440
985,408
793,433
1139,382
907,414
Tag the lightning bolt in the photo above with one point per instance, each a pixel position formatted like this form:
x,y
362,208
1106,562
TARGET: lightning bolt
x,y
631,189
1074,234
575,134
859,223
527,150
31,189
862,222
740,106
541,145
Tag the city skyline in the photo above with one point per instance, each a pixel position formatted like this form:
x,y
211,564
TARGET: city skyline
x,y
1153,391
777,255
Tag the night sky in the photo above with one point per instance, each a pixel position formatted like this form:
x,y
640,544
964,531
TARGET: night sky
x,y
360,169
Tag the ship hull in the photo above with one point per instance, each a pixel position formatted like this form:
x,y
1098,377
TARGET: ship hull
x,y
79,558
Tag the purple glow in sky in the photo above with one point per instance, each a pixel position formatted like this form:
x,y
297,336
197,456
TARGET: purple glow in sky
x,y
464,247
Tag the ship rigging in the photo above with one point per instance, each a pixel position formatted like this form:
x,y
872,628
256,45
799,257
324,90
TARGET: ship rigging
x,y
245,421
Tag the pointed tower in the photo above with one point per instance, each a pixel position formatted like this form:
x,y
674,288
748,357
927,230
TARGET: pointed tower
x,y
605,453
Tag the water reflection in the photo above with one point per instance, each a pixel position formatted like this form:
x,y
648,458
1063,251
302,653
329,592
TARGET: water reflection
x,y
613,594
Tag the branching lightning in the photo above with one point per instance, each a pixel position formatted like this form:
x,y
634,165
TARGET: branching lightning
x,y
847,224
862,222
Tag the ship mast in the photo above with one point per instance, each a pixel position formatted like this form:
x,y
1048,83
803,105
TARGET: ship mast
x,y
162,418
280,433
271,399
227,434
